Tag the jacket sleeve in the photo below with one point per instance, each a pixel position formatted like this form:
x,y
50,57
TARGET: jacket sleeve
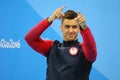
x,y
37,43
88,45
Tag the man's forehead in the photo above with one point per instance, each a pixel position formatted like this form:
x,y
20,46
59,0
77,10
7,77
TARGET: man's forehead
x,y
69,22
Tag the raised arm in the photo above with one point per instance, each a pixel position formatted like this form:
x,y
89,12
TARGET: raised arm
x,y
88,45
34,40
33,36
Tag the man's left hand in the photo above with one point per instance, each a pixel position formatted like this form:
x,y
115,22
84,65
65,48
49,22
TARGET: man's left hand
x,y
81,21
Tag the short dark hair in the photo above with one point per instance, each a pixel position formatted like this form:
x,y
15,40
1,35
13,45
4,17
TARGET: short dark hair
x,y
69,14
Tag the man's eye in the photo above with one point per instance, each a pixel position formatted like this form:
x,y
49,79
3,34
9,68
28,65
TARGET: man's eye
x,y
67,26
74,26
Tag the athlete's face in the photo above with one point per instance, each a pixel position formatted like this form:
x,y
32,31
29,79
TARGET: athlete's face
x,y
70,29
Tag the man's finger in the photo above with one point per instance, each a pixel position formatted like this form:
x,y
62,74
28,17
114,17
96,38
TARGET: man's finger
x,y
62,8
79,13
63,14
76,18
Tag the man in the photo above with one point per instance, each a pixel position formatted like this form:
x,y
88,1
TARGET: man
x,y
69,60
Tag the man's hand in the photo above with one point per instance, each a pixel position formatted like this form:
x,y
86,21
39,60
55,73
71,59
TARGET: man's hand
x,y
57,14
81,21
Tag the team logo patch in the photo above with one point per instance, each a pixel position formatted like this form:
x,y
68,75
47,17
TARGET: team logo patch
x,y
73,51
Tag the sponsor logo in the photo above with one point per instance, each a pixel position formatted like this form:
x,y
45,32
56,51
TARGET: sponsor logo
x,y
9,44
73,51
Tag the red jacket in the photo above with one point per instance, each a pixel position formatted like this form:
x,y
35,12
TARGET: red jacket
x,y
43,46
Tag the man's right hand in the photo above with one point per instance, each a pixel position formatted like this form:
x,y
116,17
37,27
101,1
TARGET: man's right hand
x,y
57,14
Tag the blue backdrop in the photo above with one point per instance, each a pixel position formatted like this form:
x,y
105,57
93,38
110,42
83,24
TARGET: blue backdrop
x,y
19,62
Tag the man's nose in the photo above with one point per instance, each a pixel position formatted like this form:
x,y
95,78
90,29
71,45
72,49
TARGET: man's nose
x,y
71,29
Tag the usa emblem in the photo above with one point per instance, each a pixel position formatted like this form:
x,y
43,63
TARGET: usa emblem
x,y
73,51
